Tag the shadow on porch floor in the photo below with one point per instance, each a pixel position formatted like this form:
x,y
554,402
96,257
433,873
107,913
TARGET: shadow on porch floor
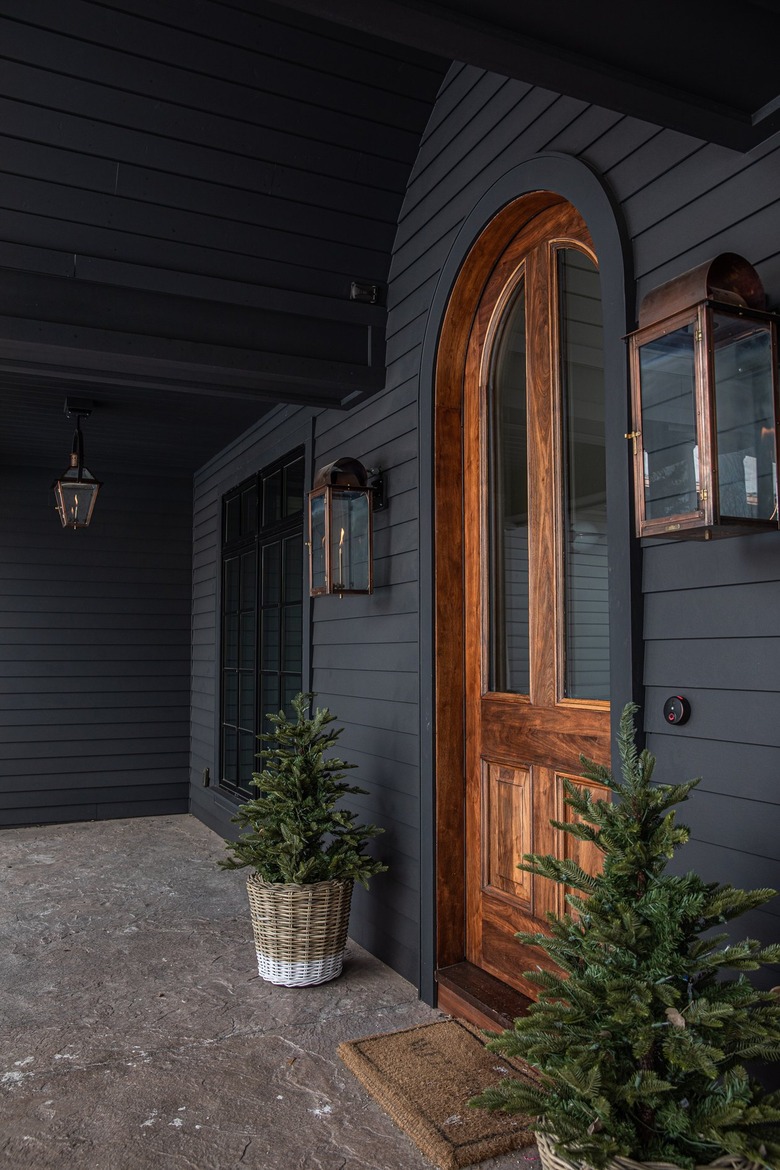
x,y
135,1032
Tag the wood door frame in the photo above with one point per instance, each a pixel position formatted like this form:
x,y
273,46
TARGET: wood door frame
x,y
493,194
448,650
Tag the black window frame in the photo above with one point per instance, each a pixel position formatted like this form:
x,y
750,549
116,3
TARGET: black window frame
x,y
249,534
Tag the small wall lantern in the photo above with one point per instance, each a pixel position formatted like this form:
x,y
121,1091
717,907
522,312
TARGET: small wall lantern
x,y
705,405
341,530
76,490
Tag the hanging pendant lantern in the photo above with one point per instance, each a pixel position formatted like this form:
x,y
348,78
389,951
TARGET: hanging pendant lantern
x,y
76,490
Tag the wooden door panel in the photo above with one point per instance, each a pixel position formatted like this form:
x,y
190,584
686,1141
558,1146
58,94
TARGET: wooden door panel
x,y
518,746
555,735
506,820
584,853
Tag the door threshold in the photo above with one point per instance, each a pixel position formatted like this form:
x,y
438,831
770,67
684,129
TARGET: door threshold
x,y
470,993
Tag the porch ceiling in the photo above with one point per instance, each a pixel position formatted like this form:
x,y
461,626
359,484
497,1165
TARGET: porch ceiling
x,y
186,201
187,193
154,431
705,67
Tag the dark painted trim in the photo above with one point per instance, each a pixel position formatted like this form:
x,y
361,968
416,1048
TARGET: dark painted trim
x,y
578,183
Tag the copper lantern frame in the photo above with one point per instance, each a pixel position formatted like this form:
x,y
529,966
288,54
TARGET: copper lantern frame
x,y
344,563
722,296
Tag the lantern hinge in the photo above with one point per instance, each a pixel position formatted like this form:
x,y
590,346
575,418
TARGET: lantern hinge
x,y
633,435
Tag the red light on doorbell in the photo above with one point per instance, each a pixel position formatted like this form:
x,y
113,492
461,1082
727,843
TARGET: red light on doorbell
x,y
677,710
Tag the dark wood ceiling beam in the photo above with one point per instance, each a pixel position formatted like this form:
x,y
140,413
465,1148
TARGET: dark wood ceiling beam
x,y
83,331
465,37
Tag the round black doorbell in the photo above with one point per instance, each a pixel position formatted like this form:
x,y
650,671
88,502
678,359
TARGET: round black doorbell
x,y
677,710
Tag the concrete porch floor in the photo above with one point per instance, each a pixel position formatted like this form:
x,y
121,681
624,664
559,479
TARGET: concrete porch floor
x,y
135,1032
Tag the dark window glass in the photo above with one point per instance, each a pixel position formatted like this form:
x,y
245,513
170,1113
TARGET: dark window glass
x,y
586,606
272,498
293,483
508,520
262,616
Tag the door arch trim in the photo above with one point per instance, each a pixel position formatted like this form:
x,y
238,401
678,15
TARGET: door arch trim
x,y
495,219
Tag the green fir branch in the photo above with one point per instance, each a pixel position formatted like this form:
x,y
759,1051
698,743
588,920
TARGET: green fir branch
x,y
639,1037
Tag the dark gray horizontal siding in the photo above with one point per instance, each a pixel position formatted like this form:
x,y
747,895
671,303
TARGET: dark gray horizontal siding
x,y
365,666
710,609
364,656
94,669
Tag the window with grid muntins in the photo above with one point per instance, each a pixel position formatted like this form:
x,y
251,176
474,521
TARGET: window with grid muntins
x,y
262,611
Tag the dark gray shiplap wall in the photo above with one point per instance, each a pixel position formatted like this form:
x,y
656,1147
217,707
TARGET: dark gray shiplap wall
x,y
95,650
363,660
683,200
711,623
365,668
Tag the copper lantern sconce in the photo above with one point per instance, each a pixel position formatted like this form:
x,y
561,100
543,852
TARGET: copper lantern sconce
x,y
341,528
705,405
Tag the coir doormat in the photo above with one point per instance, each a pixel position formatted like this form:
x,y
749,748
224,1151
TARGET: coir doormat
x,y
424,1077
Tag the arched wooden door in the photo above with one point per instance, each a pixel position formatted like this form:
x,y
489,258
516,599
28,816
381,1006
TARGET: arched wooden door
x,y
535,649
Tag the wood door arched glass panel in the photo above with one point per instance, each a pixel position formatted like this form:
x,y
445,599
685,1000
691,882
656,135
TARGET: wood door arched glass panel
x,y
584,672
507,463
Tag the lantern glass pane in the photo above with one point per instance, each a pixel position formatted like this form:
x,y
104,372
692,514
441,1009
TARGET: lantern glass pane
x,y
744,404
668,388
317,538
349,542
75,502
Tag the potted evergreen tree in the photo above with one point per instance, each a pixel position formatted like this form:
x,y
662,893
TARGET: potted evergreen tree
x,y
304,848
640,1043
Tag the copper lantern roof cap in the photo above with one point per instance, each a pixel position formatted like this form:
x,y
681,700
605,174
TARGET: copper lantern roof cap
x,y
727,278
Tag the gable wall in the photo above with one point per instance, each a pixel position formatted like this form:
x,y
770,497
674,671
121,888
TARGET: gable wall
x,y
710,610
710,621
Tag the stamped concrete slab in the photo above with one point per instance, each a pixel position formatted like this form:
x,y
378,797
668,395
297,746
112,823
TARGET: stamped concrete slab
x,y
135,1032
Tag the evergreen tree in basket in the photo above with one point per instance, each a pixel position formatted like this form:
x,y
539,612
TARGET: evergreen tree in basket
x,y
642,1040
296,831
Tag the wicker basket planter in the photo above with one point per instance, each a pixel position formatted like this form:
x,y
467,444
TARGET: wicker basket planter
x,y
300,930
552,1161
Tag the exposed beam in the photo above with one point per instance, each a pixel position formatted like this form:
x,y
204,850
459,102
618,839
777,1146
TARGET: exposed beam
x,y
466,35
78,330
